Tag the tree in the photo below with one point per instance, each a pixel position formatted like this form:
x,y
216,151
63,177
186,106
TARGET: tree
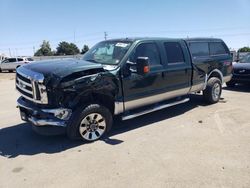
x,y
44,50
65,48
244,49
85,49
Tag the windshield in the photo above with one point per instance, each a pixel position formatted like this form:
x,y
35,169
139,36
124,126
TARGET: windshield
x,y
245,59
107,52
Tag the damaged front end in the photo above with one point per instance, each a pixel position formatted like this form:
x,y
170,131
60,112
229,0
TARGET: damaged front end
x,y
60,90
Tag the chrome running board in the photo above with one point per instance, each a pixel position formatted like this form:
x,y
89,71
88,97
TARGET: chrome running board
x,y
156,108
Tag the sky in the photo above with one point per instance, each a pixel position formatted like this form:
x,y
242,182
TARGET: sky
x,y
26,23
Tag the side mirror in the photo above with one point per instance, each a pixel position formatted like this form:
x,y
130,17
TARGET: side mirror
x,y
142,65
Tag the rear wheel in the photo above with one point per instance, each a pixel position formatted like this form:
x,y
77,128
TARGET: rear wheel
x,y
213,90
91,123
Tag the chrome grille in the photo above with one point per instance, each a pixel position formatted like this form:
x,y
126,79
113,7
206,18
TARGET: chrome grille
x,y
30,85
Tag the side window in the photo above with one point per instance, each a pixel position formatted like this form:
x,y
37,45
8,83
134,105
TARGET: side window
x,y
217,48
12,60
174,52
199,49
149,50
19,59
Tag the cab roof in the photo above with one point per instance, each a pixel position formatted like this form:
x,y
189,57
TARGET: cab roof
x,y
162,38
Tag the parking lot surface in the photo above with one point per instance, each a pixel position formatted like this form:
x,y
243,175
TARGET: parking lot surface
x,y
190,145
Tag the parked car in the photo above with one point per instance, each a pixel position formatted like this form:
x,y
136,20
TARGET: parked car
x,y
241,72
10,64
126,77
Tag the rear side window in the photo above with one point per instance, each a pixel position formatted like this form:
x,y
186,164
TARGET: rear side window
x,y
174,52
217,48
19,59
12,60
199,49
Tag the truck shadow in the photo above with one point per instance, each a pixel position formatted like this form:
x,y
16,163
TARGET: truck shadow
x,y
21,140
148,119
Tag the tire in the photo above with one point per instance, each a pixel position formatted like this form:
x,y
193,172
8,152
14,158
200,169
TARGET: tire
x,y
0,70
230,84
213,90
90,124
10,70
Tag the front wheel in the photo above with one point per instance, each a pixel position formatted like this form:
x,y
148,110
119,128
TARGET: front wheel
x,y
91,123
213,90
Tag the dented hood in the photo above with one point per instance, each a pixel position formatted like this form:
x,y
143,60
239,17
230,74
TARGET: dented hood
x,y
61,68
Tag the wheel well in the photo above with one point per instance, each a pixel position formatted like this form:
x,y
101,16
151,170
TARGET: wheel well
x,y
216,74
104,100
95,98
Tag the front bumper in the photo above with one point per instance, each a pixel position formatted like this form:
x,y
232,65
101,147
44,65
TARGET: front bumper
x,y
37,116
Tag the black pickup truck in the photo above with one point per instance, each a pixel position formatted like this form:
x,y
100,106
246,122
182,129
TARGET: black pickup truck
x,y
125,77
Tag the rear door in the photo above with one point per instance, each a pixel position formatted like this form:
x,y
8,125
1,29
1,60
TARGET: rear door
x,y
177,75
201,63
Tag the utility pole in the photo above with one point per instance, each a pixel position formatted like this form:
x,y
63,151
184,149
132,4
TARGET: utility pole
x,y
9,52
105,35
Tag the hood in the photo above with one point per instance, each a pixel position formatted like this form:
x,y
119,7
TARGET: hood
x,y
241,66
61,68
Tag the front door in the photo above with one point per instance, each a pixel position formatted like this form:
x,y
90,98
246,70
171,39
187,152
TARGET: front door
x,y
143,90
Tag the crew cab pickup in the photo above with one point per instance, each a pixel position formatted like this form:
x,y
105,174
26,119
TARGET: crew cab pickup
x,y
125,77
